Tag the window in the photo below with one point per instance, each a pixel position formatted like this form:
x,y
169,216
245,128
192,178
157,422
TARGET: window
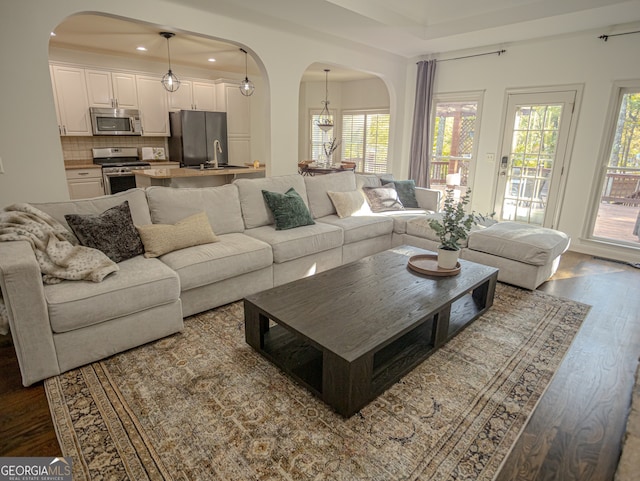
x,y
365,140
455,126
618,214
318,136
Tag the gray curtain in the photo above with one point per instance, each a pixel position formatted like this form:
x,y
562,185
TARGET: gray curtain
x,y
420,147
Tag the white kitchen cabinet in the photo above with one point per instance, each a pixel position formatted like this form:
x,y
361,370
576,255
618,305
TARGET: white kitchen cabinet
x,y
72,101
181,99
111,89
204,96
153,105
85,183
193,96
239,150
238,109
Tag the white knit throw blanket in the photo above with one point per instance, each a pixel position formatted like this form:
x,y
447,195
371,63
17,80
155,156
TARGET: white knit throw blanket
x,y
56,249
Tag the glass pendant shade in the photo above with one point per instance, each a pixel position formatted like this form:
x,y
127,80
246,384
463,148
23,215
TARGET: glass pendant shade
x,y
246,86
170,82
325,120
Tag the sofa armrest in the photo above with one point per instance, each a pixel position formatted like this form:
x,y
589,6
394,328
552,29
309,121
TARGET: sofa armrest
x,y
23,295
428,199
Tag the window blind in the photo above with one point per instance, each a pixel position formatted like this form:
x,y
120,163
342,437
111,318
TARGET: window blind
x,y
365,140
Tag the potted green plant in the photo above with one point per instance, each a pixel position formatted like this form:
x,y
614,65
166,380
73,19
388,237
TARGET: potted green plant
x,y
453,226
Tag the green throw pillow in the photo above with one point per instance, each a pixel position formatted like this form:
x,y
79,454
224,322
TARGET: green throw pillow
x,y
406,190
288,209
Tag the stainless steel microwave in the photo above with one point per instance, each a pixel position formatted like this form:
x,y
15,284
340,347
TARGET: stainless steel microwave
x,y
115,121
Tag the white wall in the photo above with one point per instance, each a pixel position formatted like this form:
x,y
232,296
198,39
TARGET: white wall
x,y
581,59
365,94
29,144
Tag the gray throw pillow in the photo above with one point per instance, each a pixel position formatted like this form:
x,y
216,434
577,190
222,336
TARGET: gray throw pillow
x,y
383,198
406,191
288,209
111,232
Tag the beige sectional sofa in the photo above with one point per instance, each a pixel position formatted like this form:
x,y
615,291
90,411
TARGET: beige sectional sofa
x,y
526,255
62,326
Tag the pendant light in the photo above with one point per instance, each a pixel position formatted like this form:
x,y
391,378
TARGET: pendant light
x,y
246,86
325,121
169,81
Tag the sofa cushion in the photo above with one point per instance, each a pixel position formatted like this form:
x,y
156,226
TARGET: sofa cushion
x,y
383,198
419,227
349,203
525,243
111,232
139,284
168,205
136,198
406,191
371,180
289,210
402,217
318,186
357,228
254,208
158,239
295,243
235,254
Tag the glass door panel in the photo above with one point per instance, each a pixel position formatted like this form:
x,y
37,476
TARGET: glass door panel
x,y
535,139
618,214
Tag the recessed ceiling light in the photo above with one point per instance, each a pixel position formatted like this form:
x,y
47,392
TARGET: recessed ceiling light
x,y
53,34
212,59
142,49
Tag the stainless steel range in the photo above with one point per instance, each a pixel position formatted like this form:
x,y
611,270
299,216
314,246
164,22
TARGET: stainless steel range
x,y
118,164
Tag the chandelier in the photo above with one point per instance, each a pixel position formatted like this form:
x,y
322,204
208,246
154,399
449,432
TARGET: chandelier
x,y
325,120
246,86
169,81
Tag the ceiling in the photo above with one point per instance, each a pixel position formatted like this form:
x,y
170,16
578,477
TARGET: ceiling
x,y
409,28
418,27
120,38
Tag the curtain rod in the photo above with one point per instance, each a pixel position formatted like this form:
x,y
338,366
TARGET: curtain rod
x,y
606,37
497,52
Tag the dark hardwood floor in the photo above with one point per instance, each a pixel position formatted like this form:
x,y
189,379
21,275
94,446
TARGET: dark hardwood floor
x,y
25,422
574,434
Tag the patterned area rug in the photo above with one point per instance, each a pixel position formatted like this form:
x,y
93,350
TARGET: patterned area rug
x,y
629,465
202,405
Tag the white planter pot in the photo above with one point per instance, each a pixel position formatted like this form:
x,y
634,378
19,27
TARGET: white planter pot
x,y
448,259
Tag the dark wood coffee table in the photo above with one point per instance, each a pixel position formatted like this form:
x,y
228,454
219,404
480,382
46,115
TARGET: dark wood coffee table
x,y
349,333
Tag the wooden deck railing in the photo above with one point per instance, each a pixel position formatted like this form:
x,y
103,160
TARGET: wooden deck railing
x,y
622,186
441,168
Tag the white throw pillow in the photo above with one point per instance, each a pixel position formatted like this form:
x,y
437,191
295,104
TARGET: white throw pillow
x,y
349,203
159,239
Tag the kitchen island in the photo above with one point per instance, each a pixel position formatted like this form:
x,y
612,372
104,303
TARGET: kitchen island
x,y
185,177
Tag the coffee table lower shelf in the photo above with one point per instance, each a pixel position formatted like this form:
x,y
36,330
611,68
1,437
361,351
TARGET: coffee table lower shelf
x,y
348,386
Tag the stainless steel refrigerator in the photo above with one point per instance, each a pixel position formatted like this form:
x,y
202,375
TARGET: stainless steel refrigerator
x,y
193,133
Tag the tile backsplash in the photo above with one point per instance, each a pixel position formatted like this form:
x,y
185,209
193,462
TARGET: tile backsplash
x,y
77,150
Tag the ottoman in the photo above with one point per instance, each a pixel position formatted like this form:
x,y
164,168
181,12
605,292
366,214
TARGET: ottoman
x,y
526,255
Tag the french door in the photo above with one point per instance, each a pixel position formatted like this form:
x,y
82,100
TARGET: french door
x,y
533,156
